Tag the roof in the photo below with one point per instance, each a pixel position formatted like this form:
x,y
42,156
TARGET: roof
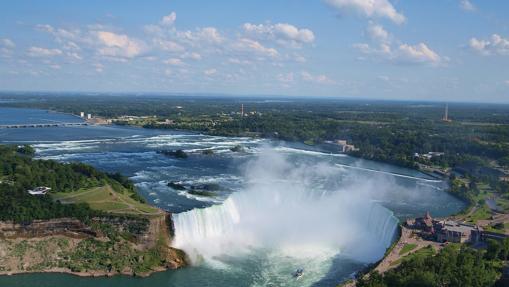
x,y
39,190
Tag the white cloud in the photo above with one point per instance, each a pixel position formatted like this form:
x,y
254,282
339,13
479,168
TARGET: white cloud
x,y
55,67
318,79
238,61
61,35
98,67
285,78
7,43
378,33
299,58
419,53
248,45
211,35
369,8
467,5
191,55
174,62
293,33
118,45
210,72
495,45
6,47
282,33
206,35
384,47
167,45
169,19
43,52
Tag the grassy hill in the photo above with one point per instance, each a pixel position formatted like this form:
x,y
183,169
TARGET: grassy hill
x,y
105,198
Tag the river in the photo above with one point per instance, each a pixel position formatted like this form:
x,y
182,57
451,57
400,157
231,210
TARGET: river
x,y
278,206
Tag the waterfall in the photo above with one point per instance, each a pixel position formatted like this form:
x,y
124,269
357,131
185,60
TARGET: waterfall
x,y
220,228
202,224
284,207
382,223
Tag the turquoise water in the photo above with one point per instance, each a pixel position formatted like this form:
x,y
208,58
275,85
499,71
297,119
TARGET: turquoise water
x,y
275,183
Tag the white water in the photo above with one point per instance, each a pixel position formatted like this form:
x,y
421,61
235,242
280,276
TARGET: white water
x,y
389,173
281,210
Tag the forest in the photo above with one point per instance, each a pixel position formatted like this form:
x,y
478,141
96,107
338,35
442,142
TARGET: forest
x,y
453,266
20,172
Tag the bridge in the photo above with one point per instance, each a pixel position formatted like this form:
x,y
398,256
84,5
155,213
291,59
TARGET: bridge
x,y
45,125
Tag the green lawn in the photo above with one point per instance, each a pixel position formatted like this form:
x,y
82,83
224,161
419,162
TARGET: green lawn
x,y
407,248
106,199
483,212
423,252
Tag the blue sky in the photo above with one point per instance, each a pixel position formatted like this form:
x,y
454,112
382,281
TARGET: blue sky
x,y
447,50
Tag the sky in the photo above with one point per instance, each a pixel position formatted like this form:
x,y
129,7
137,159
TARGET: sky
x,y
439,50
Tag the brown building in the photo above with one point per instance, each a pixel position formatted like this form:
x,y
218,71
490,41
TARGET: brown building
x,y
452,231
425,223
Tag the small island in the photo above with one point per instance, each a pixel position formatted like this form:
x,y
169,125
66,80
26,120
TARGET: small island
x,y
174,153
205,190
90,223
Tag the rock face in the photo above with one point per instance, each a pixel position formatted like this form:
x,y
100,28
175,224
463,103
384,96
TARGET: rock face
x,y
57,245
175,258
40,228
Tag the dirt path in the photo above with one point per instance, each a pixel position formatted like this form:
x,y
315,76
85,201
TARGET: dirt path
x,y
406,238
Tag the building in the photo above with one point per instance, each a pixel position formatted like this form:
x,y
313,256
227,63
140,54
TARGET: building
x,y
429,155
82,114
344,146
41,190
452,231
424,223
89,116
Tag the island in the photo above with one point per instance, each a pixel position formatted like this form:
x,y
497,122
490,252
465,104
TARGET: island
x,y
83,222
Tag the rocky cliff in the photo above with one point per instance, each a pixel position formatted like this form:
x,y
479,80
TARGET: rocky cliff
x,y
102,247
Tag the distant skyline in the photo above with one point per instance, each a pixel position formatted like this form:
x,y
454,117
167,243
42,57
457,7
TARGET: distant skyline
x,y
438,50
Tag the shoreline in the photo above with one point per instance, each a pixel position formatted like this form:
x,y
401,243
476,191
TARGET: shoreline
x,y
88,274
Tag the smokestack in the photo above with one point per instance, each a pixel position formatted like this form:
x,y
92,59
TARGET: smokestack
x,y
446,114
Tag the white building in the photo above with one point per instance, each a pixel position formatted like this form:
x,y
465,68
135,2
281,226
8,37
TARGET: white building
x,y
89,116
41,190
82,114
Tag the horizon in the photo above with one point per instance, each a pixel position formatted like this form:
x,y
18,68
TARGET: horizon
x,y
225,96
391,50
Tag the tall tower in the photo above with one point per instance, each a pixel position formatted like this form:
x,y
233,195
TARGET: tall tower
x,y
241,110
446,114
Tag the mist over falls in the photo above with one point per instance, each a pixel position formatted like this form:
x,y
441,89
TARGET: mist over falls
x,y
301,209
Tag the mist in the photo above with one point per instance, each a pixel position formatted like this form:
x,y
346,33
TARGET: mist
x,y
294,208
